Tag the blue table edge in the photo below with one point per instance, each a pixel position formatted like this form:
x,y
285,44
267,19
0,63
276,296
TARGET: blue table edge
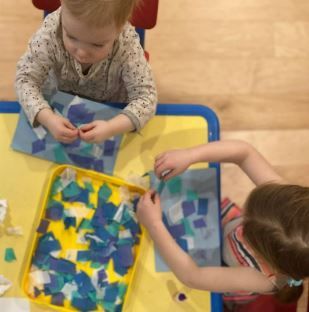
x,y
12,107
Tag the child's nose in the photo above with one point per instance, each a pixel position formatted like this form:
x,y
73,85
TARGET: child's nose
x,y
81,53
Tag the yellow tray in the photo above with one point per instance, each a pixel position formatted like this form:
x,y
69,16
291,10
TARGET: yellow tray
x,y
68,237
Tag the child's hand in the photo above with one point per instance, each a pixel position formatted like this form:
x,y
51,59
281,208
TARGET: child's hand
x,y
171,163
149,209
59,127
95,132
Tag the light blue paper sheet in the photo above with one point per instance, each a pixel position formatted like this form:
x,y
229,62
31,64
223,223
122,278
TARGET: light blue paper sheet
x,y
78,153
205,250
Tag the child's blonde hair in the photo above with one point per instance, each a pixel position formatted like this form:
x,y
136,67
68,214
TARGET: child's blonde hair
x,y
99,13
276,225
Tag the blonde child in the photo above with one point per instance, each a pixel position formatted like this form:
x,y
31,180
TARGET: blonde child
x,y
92,51
266,250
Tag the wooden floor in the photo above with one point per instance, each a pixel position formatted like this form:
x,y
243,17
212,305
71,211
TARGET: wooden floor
x,y
247,60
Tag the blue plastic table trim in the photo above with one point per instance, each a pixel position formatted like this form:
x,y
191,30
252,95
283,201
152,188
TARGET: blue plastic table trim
x,y
171,110
141,33
163,109
9,107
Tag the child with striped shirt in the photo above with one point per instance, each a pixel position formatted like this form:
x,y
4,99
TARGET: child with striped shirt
x,y
265,247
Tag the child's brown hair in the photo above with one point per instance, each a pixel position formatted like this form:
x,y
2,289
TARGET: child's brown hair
x,y
276,225
99,13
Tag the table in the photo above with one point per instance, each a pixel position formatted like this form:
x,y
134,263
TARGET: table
x,y
24,178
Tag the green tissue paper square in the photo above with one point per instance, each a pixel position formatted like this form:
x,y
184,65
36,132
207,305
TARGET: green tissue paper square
x,y
191,195
105,192
174,185
9,255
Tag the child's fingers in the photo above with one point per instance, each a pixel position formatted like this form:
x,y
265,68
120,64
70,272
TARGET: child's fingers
x,y
163,170
147,196
87,127
157,198
160,167
159,162
65,139
157,173
160,156
69,134
88,136
69,125
68,131
140,203
152,195
142,198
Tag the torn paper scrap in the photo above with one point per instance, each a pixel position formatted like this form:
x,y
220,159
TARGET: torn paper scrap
x,y
5,284
14,305
142,181
9,255
3,209
14,231
40,132
39,277
67,176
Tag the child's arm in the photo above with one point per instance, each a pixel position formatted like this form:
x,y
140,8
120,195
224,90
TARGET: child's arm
x,y
32,71
241,153
141,92
138,79
59,127
217,279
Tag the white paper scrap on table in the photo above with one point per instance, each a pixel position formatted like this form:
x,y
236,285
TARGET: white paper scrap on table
x,y
14,231
3,209
5,284
14,305
3,203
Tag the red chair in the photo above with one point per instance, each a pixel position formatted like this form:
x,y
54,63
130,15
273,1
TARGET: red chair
x,y
47,5
144,16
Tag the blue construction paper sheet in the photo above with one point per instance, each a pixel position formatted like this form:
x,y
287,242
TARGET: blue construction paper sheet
x,y
194,224
98,157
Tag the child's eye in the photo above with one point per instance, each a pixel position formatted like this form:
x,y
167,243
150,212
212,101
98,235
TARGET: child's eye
x,y
98,45
71,38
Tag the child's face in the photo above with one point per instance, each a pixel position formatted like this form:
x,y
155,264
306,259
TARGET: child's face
x,y
88,45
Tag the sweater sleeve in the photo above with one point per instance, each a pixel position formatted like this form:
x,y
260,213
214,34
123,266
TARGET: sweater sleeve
x,y
34,66
138,80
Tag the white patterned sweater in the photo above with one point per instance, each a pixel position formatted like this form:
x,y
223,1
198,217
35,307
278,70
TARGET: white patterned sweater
x,y
124,76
